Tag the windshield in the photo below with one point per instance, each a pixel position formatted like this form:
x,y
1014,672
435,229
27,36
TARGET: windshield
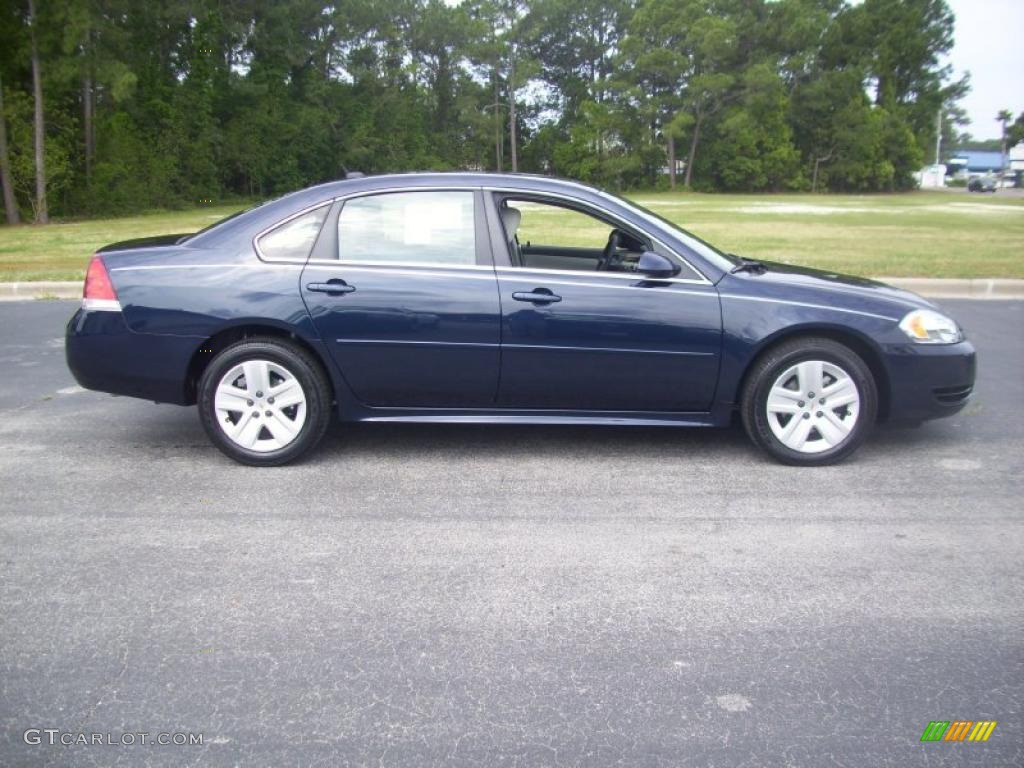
x,y
700,247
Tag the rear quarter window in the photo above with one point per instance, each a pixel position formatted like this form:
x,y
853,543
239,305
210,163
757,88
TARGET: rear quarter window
x,y
294,238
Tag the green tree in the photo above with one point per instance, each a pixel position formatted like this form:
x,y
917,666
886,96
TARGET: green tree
x,y
900,45
11,212
752,147
1015,133
841,135
163,104
1003,118
655,70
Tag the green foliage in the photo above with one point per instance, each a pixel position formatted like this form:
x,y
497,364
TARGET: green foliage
x,y
1015,132
59,149
753,148
165,105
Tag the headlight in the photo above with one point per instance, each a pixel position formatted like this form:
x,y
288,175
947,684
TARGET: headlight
x,y
927,327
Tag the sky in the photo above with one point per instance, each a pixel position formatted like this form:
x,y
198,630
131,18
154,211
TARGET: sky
x,y
988,43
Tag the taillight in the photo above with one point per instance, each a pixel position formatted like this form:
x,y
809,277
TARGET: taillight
x,y
99,292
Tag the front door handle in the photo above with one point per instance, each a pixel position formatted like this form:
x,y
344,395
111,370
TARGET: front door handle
x,y
537,296
333,287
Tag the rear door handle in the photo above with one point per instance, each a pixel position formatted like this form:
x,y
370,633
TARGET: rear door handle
x,y
537,296
333,287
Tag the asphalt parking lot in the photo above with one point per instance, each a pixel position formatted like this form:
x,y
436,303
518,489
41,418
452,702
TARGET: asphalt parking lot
x,y
495,596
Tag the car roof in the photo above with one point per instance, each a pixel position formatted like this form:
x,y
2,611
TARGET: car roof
x,y
527,181
266,214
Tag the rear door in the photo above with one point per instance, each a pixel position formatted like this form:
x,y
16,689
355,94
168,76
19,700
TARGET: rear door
x,y
403,290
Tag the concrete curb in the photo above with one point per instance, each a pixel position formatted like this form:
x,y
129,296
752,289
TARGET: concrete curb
x,y
44,289
932,288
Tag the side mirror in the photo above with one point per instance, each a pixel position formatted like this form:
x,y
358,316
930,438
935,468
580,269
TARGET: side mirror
x,y
656,266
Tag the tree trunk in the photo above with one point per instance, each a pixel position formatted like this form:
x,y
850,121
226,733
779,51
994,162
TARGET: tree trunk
x,y
817,164
10,204
512,109
42,214
671,161
87,125
89,104
693,150
498,140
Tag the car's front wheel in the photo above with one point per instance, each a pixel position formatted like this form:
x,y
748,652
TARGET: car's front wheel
x,y
809,401
264,401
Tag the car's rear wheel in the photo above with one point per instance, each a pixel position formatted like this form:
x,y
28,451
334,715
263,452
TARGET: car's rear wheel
x,y
810,401
264,401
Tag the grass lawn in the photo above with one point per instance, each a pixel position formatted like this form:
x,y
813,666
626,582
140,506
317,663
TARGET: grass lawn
x,y
924,234
61,250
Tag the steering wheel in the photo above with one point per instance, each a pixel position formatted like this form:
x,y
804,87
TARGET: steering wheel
x,y
608,255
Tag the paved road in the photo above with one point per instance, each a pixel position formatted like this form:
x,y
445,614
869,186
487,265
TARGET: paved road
x,y
505,596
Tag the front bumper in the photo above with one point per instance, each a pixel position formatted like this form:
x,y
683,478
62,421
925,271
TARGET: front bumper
x,y
103,354
929,381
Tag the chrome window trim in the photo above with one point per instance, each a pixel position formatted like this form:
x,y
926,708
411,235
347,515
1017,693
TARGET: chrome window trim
x,y
473,272
632,276
590,284
239,265
580,201
404,265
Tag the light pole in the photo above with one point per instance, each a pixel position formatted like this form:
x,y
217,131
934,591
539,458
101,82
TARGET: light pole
x,y
1003,118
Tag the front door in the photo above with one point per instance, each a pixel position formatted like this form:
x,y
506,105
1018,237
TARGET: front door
x,y
580,331
408,303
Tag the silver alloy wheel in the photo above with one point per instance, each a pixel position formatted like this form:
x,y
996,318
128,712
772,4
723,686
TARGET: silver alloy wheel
x,y
260,405
813,406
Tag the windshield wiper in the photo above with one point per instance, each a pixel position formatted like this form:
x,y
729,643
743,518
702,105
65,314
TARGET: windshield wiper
x,y
747,265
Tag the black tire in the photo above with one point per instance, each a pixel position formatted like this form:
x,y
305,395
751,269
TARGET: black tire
x,y
772,364
300,363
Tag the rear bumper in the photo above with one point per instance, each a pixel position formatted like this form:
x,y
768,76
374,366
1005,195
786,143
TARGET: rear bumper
x,y
929,381
103,354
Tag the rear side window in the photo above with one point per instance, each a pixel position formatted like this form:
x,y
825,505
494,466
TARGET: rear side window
x,y
408,228
294,239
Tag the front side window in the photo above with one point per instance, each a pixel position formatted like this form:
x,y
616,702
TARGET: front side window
x,y
408,228
294,239
721,260
559,227
544,235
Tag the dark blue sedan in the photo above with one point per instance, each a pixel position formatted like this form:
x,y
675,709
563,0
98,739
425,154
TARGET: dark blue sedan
x,y
479,298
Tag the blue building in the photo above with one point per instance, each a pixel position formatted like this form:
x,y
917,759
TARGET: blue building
x,y
975,161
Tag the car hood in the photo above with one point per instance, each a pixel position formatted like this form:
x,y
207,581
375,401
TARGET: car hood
x,y
159,241
832,282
